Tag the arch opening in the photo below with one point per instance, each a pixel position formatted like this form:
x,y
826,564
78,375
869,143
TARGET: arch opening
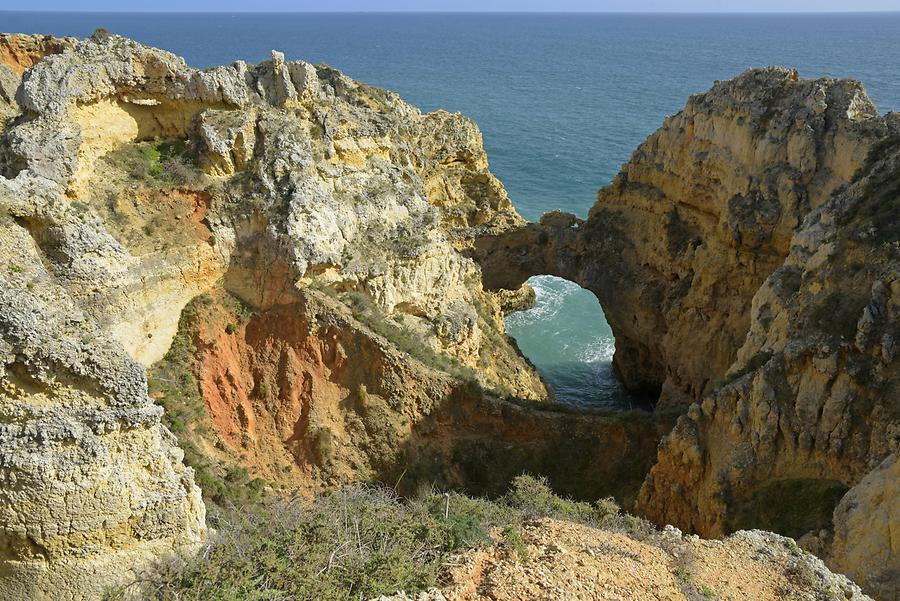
x,y
566,336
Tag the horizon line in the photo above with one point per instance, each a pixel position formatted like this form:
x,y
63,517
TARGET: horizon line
x,y
453,12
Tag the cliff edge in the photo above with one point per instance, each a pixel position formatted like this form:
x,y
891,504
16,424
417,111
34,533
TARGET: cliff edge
x,y
745,258
314,275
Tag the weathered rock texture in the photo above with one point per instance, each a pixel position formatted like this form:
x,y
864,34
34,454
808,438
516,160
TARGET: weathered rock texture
x,y
680,241
572,561
746,261
21,51
91,485
811,404
336,182
131,185
285,390
357,233
17,53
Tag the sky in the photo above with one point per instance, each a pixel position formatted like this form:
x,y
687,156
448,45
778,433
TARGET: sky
x,y
465,5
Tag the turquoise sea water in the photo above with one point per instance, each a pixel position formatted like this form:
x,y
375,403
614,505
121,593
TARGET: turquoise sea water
x,y
562,101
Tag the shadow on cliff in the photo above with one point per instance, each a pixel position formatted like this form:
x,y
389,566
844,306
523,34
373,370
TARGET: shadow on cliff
x,y
478,443
305,396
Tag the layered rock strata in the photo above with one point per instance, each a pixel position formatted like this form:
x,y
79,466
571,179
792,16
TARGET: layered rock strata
x,y
810,407
286,390
704,211
746,265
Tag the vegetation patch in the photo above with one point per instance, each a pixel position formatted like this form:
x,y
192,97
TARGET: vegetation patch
x,y
158,162
407,341
172,383
355,543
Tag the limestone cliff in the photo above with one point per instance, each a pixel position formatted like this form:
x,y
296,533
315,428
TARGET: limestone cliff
x,y
21,51
680,241
308,396
312,177
91,485
17,53
810,407
745,259
133,184
315,274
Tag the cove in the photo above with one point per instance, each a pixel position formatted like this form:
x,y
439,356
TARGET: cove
x,y
566,336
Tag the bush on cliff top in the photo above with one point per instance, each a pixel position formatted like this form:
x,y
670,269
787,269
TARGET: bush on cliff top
x,y
355,543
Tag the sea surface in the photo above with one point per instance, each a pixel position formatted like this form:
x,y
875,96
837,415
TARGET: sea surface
x,y
562,100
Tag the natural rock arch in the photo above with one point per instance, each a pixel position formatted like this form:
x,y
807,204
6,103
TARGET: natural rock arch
x,y
564,246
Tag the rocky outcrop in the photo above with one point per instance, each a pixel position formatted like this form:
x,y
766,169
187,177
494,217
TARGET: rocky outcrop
x,y
20,51
285,390
330,181
865,543
678,244
17,53
132,184
9,108
810,406
745,259
91,485
572,561
346,241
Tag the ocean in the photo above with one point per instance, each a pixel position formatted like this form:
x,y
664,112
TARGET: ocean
x,y
562,100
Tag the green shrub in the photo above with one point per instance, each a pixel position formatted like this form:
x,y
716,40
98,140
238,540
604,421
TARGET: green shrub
x,y
351,543
463,531
159,162
512,538
323,442
534,498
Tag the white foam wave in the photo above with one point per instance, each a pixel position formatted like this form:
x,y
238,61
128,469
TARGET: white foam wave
x,y
550,294
600,351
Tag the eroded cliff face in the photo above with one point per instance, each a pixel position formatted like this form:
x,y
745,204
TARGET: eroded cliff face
x,y
93,488
331,242
17,53
133,184
309,396
21,51
680,241
746,261
310,177
810,407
